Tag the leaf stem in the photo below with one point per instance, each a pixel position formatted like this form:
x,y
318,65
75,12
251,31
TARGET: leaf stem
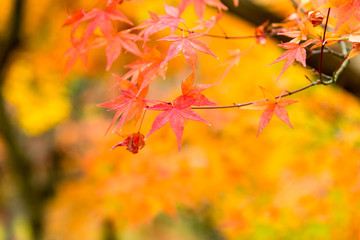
x,y
142,119
323,44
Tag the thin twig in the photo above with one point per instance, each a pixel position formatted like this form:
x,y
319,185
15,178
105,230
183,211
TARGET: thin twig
x,y
327,50
13,39
342,65
225,36
323,44
250,103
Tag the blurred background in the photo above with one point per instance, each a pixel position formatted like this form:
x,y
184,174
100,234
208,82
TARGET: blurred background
x,y
58,179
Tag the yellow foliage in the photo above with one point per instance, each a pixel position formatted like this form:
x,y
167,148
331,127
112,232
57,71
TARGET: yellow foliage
x,y
38,96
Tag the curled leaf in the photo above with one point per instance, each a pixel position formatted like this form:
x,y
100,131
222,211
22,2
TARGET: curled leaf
x,y
315,17
134,142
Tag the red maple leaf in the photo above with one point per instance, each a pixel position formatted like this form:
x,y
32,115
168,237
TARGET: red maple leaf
x,y
192,92
79,49
175,113
103,19
160,22
231,61
188,45
295,52
127,106
207,24
115,43
74,17
149,65
200,6
134,142
270,106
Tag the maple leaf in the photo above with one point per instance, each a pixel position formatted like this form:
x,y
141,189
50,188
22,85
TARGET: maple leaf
x,y
103,20
160,22
270,106
315,17
295,52
290,23
207,24
188,45
302,31
74,17
354,51
231,61
78,49
115,43
343,33
344,10
192,92
134,142
200,6
149,65
127,106
175,113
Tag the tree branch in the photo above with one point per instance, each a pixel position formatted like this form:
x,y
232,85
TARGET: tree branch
x,y
239,105
13,40
19,164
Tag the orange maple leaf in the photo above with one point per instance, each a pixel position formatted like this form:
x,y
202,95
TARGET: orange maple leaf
x,y
344,9
104,20
130,104
149,65
354,51
191,91
295,52
270,106
79,49
115,43
187,45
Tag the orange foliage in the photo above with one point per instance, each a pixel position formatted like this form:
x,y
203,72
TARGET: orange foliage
x,y
302,182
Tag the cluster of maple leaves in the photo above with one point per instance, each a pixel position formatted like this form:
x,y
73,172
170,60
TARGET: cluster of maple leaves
x,y
304,29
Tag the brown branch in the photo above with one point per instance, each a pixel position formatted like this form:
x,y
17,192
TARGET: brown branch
x,y
226,36
250,103
13,39
19,163
323,44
